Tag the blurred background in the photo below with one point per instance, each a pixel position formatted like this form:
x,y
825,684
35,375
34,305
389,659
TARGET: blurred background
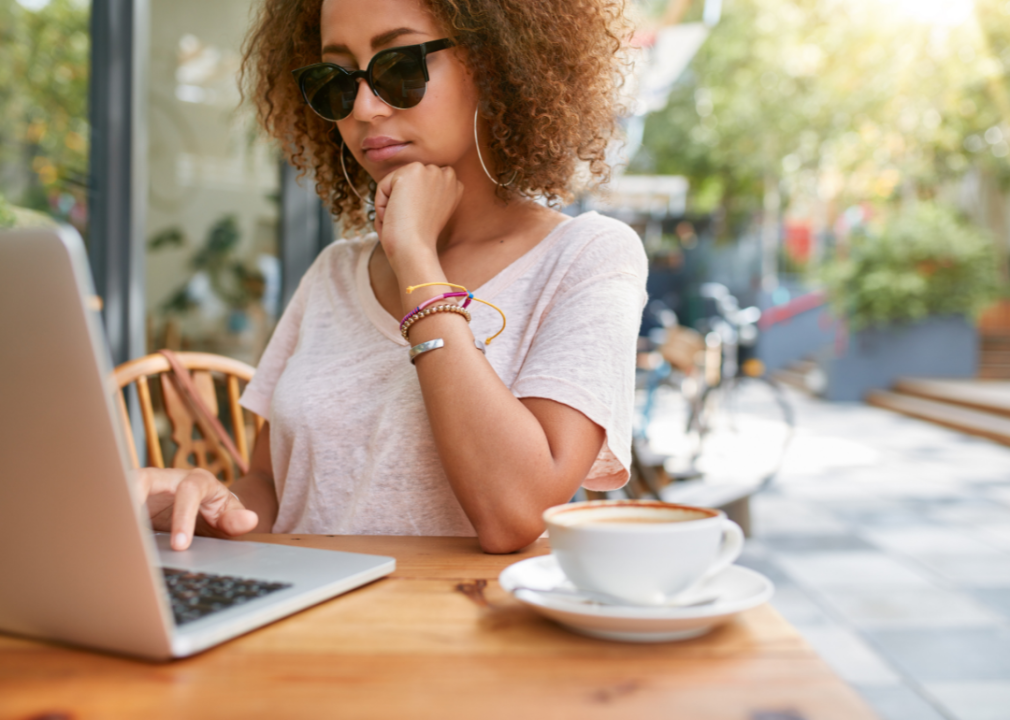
x,y
823,190
807,154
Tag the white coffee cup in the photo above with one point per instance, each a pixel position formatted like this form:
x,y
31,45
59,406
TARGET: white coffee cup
x,y
642,551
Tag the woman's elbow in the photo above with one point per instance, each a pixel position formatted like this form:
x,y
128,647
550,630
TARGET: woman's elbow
x,y
501,541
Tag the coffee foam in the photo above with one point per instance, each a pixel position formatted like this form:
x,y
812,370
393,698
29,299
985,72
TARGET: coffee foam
x,y
627,515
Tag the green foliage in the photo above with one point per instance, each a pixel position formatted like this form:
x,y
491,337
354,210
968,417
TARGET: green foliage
x,y
926,262
170,237
845,101
7,218
231,280
44,60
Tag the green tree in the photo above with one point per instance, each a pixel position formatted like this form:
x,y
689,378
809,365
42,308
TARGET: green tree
x,y
44,56
847,101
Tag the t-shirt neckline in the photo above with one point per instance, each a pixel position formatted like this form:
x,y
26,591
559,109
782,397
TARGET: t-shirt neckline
x,y
390,326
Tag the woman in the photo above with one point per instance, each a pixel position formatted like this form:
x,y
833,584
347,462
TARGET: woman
x,y
452,117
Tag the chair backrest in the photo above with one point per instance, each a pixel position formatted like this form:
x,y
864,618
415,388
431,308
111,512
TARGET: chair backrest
x,y
191,449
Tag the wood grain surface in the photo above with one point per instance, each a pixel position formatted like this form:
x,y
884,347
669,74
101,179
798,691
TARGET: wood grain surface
x,y
437,639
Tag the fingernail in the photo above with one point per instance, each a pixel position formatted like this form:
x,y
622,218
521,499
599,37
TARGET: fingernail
x,y
180,540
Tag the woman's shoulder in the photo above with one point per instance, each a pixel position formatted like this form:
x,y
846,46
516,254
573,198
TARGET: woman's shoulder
x,y
604,243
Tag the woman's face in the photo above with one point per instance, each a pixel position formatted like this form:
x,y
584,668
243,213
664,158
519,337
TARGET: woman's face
x,y
438,130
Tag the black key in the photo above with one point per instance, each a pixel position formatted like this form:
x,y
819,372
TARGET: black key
x,y
196,595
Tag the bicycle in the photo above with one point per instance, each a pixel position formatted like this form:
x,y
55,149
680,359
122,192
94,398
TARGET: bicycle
x,y
718,407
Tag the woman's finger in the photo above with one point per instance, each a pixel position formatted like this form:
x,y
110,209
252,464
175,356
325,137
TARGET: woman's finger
x,y
196,489
227,514
237,521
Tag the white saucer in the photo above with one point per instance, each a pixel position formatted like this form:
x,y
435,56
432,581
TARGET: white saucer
x,y
738,589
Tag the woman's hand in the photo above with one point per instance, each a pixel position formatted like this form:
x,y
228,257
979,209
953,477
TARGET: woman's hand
x,y
412,205
176,499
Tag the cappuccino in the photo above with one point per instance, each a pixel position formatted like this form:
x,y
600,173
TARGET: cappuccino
x,y
628,513
644,551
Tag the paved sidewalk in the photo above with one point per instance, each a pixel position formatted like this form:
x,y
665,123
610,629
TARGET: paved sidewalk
x,y
888,540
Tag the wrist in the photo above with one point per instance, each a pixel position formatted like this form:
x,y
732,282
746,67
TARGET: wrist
x,y
403,252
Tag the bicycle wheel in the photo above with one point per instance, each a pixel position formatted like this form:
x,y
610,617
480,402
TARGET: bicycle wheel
x,y
744,428
672,428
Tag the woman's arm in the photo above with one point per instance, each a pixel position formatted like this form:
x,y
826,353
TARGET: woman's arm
x,y
180,500
506,459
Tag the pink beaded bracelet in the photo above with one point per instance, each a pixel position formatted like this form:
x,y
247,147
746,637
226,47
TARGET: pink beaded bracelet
x,y
443,296
464,291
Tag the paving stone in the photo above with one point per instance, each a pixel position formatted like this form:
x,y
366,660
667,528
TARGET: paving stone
x,y
996,535
947,655
886,539
899,702
850,569
997,599
763,564
972,513
777,515
991,569
926,539
800,543
849,655
974,700
873,515
879,606
1000,495
798,607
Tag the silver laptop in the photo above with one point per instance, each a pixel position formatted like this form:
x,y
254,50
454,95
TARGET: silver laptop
x,y
78,561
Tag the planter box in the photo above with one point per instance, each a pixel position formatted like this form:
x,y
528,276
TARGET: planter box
x,y
796,331
872,359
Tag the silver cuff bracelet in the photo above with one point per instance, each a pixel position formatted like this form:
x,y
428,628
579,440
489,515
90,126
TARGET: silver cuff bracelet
x,y
435,345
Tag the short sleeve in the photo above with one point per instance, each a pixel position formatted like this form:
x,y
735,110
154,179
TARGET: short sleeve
x,y
583,353
260,390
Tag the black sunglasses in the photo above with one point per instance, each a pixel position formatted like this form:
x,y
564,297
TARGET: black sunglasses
x,y
398,76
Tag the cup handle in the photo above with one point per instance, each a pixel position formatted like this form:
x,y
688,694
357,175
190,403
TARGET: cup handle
x,y
732,546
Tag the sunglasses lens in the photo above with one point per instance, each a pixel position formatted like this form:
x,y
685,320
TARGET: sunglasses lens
x,y
399,78
329,92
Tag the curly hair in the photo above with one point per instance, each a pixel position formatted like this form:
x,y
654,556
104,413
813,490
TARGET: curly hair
x,y
547,74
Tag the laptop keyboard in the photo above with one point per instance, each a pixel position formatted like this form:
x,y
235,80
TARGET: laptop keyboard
x,y
195,594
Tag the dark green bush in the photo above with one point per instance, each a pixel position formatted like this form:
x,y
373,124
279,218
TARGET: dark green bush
x,y
926,262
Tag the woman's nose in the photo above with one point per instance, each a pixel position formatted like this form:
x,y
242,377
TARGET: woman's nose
x,y
367,105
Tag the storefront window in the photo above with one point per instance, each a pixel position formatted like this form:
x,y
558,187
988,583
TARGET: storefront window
x,y
213,273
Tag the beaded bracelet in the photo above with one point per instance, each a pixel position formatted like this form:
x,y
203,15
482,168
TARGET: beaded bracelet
x,y
443,296
405,328
470,296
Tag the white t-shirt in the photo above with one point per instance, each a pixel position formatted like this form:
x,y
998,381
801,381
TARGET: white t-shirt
x,y
352,449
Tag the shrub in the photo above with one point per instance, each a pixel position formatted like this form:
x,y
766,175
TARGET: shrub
x,y
926,262
6,214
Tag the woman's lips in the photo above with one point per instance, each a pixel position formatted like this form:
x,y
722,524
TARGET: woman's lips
x,y
384,151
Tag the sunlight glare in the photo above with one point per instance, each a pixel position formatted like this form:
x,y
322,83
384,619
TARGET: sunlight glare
x,y
947,13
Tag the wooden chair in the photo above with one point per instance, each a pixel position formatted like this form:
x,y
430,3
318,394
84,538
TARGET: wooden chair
x,y
192,449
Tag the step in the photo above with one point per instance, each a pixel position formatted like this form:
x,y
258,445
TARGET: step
x,y
986,395
994,372
995,342
994,357
973,422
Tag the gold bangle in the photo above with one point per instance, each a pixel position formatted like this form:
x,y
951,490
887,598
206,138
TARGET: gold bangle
x,y
431,311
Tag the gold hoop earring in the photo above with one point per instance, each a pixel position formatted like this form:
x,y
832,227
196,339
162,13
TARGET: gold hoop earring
x,y
479,157
354,190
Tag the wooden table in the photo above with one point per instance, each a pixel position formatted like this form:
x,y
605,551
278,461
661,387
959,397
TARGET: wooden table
x,y
433,640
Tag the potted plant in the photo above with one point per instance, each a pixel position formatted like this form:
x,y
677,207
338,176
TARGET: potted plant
x,y
907,298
